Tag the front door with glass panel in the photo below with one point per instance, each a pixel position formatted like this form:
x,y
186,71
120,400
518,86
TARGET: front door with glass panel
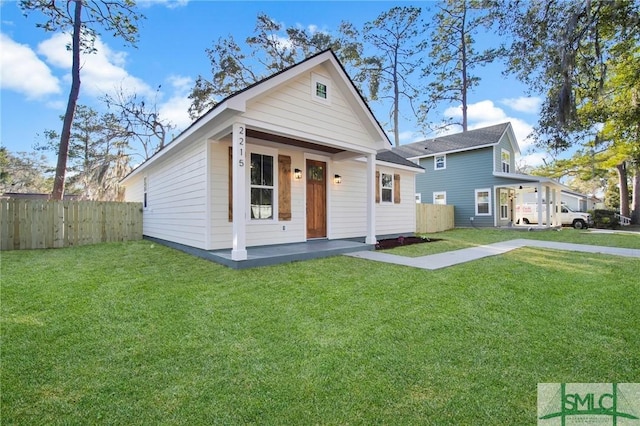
x,y
316,199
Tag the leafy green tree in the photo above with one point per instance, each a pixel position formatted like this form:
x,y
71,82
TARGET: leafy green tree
x,y
560,49
272,48
116,16
396,37
453,53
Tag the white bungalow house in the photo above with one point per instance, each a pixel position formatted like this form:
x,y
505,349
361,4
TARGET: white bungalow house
x,y
295,157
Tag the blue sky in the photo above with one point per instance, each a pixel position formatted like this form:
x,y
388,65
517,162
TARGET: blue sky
x,y
36,66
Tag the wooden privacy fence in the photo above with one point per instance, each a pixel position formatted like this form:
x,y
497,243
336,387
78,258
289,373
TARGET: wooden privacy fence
x,y
433,218
34,224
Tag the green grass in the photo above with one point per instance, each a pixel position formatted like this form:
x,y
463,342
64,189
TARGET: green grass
x,y
137,333
469,237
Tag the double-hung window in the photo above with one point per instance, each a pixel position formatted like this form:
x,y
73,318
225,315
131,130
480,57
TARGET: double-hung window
x,y
386,188
440,197
483,202
262,186
506,161
440,162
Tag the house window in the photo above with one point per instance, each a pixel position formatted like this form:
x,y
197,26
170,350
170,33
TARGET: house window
x,y
262,186
440,162
145,187
387,188
483,202
418,198
320,88
504,204
440,197
506,161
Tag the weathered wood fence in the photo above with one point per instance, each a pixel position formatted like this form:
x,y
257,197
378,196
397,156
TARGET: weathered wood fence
x,y
34,224
433,218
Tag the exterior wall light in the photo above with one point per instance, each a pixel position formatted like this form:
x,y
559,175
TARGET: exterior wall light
x,y
337,179
297,174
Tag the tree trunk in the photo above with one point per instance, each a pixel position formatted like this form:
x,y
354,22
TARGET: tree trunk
x,y
396,100
63,150
624,189
635,208
465,84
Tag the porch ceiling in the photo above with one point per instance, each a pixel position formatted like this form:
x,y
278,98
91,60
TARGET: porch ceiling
x,y
293,142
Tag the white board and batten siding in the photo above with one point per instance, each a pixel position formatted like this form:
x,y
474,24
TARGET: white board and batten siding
x,y
176,208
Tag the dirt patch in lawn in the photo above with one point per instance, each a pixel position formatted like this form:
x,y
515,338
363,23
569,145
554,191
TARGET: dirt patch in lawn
x,y
390,243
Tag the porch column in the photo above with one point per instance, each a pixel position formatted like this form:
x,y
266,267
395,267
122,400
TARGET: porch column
x,y
547,196
238,141
371,199
539,203
557,209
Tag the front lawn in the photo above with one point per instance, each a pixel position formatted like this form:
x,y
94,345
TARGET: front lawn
x,y
137,333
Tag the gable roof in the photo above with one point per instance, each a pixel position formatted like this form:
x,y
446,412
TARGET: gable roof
x,y
464,141
236,103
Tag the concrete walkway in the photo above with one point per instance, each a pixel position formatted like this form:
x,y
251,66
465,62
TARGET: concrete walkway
x,y
442,260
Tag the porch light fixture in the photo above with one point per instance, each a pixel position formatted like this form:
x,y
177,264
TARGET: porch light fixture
x,y
337,179
297,174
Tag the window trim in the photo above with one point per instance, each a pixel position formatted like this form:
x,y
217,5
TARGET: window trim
x,y
502,161
488,191
504,208
382,187
315,79
273,153
444,162
443,193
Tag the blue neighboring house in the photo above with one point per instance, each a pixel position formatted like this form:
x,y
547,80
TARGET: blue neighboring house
x,y
475,172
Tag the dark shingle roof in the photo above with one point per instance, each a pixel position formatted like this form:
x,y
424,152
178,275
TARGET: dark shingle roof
x,y
392,157
458,142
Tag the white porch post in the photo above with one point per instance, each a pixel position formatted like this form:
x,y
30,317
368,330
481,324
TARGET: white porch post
x,y
239,144
539,203
371,199
549,206
557,210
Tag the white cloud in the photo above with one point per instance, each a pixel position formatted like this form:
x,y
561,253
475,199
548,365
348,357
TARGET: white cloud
x,y
22,71
176,108
171,4
525,104
101,72
534,159
485,113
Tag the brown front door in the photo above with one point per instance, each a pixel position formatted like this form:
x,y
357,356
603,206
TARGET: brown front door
x,y
316,199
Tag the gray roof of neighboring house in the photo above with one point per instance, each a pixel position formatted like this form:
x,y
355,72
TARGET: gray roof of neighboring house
x,y
470,139
392,157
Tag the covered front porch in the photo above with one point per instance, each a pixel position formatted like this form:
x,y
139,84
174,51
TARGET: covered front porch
x,y
528,202
275,254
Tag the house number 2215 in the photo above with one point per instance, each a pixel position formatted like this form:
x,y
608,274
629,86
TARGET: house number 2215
x,y
241,143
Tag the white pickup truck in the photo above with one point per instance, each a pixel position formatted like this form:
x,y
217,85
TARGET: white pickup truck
x,y
529,214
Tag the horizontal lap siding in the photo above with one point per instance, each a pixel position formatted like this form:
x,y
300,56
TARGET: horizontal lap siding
x,y
465,172
292,107
348,200
258,232
176,197
392,218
